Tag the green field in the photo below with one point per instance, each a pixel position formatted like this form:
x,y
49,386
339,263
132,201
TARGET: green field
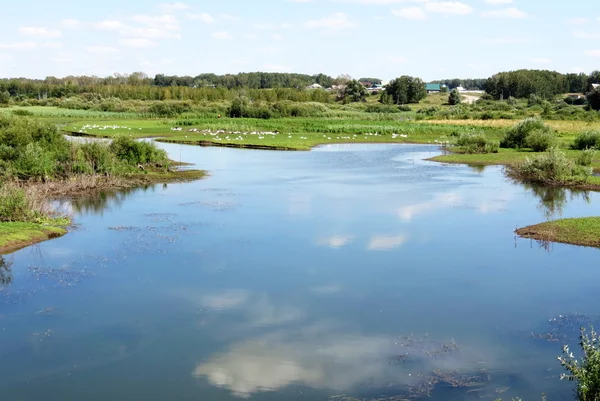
x,y
580,231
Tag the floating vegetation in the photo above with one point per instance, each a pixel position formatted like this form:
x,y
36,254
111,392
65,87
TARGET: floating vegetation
x,y
567,327
122,228
415,347
49,312
64,276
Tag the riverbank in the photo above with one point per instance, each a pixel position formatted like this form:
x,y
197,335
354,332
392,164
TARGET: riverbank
x,y
583,231
17,235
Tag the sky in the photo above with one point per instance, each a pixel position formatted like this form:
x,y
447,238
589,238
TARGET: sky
x,y
431,39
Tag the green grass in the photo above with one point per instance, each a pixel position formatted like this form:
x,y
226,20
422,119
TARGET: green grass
x,y
503,157
294,133
15,235
579,231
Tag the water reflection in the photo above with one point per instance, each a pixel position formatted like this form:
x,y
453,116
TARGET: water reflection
x,y
106,200
5,271
553,200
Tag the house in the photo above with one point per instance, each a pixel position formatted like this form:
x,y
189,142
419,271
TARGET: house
x,y
595,86
375,88
433,88
314,86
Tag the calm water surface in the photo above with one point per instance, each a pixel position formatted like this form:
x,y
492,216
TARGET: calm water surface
x,y
352,270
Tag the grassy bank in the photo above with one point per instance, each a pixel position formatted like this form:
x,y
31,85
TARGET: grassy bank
x,y
38,164
578,231
17,235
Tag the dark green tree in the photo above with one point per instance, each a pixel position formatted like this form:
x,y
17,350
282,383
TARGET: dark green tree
x,y
4,97
454,98
354,92
593,99
405,89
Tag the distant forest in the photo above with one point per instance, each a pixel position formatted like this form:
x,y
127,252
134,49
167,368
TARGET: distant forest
x,y
282,86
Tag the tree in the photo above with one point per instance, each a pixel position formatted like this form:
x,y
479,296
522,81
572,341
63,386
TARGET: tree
x,y
354,92
594,99
342,79
4,97
404,90
454,98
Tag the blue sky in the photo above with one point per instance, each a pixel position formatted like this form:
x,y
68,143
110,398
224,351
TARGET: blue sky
x,y
382,38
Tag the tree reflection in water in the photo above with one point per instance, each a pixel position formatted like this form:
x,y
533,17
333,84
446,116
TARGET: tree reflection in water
x,y
553,200
5,271
106,200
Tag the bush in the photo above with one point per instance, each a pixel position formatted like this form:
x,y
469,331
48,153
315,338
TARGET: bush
x,y
13,204
587,140
382,108
551,168
586,157
586,373
517,137
540,141
476,143
454,98
137,152
22,112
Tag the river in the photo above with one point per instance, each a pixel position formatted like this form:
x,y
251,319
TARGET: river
x,y
350,270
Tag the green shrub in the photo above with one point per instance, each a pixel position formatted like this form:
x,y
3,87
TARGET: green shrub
x,y
587,140
383,108
13,204
540,141
22,112
476,143
517,136
586,157
552,168
137,152
585,372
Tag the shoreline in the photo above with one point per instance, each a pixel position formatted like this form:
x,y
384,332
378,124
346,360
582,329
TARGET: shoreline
x,y
15,235
18,235
582,231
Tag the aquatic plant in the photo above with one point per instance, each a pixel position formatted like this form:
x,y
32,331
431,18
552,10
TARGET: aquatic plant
x,y
585,372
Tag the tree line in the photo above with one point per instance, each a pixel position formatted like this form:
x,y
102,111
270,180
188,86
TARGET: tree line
x,y
542,83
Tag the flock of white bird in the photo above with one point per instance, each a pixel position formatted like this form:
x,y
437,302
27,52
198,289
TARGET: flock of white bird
x,y
101,127
220,135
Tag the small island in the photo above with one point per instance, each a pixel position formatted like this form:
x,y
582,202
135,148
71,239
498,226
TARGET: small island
x,y
583,231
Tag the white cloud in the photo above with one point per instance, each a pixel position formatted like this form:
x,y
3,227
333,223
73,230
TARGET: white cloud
x,y
504,41
586,35
386,242
449,7
277,37
178,6
498,1
593,53
415,13
101,50
40,32
336,241
53,45
506,13
19,45
140,43
230,18
70,23
150,33
577,21
222,35
577,70
333,23
381,2
166,19
204,17
109,25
